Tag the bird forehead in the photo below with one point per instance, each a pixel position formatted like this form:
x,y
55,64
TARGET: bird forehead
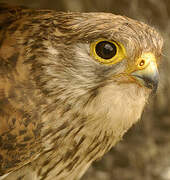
x,y
134,35
137,37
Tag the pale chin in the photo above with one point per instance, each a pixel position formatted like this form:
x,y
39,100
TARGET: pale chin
x,y
121,105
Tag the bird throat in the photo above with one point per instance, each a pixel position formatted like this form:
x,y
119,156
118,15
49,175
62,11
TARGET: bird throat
x,y
88,132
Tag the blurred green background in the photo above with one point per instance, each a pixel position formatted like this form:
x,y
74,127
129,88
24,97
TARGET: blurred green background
x,y
144,153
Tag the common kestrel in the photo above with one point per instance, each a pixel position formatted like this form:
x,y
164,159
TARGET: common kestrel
x,y
71,84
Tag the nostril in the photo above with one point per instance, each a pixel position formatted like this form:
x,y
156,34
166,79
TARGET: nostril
x,y
142,63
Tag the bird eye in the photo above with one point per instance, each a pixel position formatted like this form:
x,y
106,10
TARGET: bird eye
x,y
107,52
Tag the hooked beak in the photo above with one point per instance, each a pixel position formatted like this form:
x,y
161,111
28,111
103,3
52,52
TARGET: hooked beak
x,y
147,74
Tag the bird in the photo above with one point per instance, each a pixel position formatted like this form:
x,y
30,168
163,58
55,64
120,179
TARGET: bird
x,y
71,85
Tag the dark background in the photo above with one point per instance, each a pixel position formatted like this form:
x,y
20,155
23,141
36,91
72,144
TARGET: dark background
x,y
144,153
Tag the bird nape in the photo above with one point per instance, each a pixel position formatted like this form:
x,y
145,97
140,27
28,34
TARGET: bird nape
x,y
71,84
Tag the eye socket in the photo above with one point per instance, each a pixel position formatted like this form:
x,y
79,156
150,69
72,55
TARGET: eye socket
x,y
107,52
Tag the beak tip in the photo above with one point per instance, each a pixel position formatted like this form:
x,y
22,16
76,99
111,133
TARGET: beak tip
x,y
150,82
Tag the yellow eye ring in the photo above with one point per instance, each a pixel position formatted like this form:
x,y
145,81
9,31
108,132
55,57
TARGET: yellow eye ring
x,y
107,52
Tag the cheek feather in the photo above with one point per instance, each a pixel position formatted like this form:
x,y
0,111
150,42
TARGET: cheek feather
x,y
121,105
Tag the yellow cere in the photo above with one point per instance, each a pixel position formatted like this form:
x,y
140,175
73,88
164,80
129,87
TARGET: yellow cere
x,y
119,55
145,60
142,62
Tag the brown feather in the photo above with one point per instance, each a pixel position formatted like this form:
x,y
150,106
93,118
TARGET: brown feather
x,y
59,109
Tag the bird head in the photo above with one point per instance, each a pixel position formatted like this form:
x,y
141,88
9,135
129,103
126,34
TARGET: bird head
x,y
92,50
98,63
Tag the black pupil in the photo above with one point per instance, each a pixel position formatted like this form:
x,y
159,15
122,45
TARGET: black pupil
x,y
106,50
